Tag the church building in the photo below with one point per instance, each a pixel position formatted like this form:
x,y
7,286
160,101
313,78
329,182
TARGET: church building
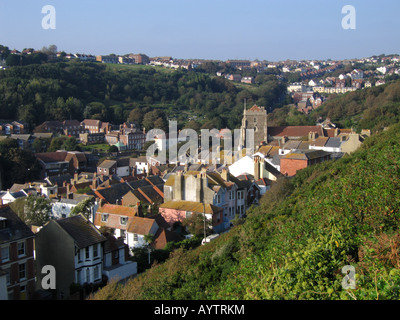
x,y
255,119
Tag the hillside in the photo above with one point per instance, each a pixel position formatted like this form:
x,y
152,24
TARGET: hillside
x,y
370,108
373,108
296,243
113,93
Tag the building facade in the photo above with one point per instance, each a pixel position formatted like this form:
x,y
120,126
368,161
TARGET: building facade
x,y
16,255
255,119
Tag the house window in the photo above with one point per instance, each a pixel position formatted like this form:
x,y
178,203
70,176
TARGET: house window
x,y
87,253
5,254
123,221
188,214
218,198
79,276
240,195
123,234
8,277
87,275
232,195
104,217
79,253
21,249
95,251
135,237
22,271
96,273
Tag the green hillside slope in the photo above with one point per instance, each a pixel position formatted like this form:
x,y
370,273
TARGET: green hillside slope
x,y
371,108
295,245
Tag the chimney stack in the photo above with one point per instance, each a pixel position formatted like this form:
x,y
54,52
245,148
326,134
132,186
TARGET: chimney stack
x,y
256,168
139,210
94,183
225,174
178,186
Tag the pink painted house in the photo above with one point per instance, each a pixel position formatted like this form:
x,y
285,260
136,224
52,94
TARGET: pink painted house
x,y
178,210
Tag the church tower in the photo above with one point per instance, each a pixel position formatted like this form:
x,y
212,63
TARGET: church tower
x,y
255,119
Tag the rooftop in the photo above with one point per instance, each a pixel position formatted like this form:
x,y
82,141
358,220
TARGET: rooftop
x,y
81,230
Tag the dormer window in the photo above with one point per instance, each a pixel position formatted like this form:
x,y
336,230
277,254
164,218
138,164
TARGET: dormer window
x,y
104,217
124,221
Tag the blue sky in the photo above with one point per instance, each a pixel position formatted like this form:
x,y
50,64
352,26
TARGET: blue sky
x,y
206,29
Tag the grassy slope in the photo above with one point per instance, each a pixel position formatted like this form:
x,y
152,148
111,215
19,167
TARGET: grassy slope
x,y
296,243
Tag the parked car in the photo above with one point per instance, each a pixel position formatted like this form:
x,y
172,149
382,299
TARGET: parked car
x,y
209,238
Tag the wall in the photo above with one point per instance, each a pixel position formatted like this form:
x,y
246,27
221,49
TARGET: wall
x,y
123,171
3,287
54,247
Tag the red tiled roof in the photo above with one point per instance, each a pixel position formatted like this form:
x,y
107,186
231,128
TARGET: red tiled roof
x,y
52,156
118,210
294,131
255,108
140,225
90,122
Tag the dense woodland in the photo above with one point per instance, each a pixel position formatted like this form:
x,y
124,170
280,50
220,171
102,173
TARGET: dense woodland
x,y
75,90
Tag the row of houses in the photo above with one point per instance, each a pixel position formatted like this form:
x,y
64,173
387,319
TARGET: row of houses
x,y
76,247
126,59
79,252
127,136
13,127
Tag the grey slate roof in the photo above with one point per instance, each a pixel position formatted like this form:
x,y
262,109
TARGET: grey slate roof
x,y
81,230
333,143
117,191
58,180
15,228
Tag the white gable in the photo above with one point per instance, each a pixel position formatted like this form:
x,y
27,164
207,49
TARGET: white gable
x,y
242,166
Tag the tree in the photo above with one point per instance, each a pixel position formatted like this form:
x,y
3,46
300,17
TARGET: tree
x,y
149,238
70,144
38,145
14,60
50,51
136,115
56,144
19,165
155,119
113,149
36,210
197,224
84,207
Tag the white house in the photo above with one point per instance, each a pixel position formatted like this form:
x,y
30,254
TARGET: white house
x,y
115,265
8,197
61,208
257,166
382,70
138,229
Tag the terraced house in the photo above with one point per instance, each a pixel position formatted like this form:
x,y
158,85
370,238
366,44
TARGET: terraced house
x,y
74,247
218,188
16,256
